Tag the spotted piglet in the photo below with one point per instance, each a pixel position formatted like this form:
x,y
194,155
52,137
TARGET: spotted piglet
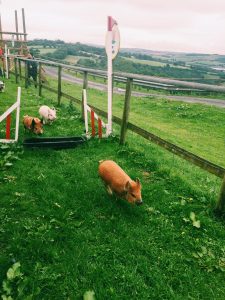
x,y
33,124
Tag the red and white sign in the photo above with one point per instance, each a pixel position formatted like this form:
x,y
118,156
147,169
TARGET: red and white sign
x,y
112,43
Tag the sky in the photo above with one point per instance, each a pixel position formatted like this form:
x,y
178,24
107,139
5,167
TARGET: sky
x,y
165,25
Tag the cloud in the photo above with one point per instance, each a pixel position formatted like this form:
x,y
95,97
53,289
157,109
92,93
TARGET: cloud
x,y
189,25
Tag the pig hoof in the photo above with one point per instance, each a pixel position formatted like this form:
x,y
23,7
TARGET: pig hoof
x,y
109,190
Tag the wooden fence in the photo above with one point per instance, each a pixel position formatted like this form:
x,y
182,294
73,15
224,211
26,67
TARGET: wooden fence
x,y
124,122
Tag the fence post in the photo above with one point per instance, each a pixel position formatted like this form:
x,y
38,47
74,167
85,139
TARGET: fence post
x,y
126,111
16,69
39,80
8,63
220,205
59,84
26,74
20,72
85,84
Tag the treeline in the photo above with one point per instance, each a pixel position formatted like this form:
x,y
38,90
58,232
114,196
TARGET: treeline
x,y
95,57
123,65
76,50
46,43
63,49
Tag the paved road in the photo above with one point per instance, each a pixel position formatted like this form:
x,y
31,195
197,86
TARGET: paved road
x,y
100,86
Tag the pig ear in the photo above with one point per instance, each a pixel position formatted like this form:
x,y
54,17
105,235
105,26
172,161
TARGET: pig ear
x,y
127,186
138,181
33,123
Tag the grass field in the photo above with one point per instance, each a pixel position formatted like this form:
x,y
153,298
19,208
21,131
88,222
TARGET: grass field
x,y
61,235
153,63
198,128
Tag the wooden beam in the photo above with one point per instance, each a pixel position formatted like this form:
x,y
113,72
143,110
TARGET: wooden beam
x,y
20,69
16,69
220,206
0,27
17,28
59,84
24,25
9,40
12,32
85,85
194,159
26,75
126,111
39,80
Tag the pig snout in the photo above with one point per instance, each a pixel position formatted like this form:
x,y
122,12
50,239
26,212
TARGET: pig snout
x,y
38,131
51,117
139,202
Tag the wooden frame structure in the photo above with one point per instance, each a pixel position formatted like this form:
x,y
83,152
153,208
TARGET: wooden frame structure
x,y
17,44
7,115
93,116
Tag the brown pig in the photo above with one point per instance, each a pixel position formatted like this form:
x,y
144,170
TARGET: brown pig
x,y
118,182
33,124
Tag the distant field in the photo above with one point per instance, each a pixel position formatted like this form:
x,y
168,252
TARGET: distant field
x,y
146,62
211,76
44,50
72,59
154,63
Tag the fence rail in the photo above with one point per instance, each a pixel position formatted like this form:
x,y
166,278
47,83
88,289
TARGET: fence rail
x,y
124,122
141,79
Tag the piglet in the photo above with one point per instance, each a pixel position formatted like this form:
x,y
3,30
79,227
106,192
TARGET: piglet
x,y
118,182
35,125
48,114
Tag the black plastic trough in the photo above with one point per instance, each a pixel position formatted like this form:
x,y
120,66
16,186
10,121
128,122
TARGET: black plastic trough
x,y
54,142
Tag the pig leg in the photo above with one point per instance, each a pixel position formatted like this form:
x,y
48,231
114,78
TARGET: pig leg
x,y
109,190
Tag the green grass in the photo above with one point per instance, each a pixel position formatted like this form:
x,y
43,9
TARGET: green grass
x,y
197,128
46,50
70,236
154,63
146,62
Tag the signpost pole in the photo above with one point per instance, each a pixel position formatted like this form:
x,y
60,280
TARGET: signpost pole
x,y
112,48
109,125
6,62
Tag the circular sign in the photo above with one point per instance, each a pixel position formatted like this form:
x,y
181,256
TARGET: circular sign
x,y
112,43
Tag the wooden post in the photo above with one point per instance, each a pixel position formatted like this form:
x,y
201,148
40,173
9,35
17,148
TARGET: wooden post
x,y
92,123
126,111
85,84
99,128
16,69
220,206
9,67
24,25
20,70
26,74
16,23
39,80
59,84
1,31
8,124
